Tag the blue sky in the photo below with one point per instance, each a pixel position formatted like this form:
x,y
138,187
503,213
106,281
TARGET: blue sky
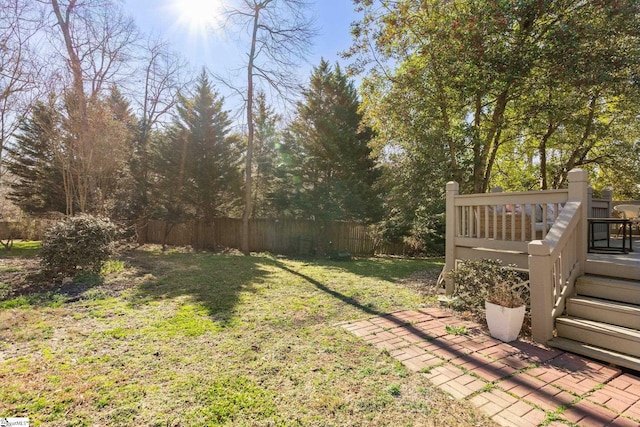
x,y
218,52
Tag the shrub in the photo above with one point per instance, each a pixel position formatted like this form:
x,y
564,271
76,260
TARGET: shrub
x,y
81,243
476,281
506,295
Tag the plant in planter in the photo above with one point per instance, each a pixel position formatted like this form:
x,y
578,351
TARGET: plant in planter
x,y
475,280
505,309
482,283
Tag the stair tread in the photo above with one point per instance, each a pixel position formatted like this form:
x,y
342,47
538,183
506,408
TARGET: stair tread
x,y
604,303
595,352
609,288
609,281
601,327
592,325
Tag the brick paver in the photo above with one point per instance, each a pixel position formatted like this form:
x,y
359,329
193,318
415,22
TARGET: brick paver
x,y
534,352
517,384
550,398
633,412
420,363
586,413
463,386
520,414
623,422
493,371
628,383
443,374
494,401
618,400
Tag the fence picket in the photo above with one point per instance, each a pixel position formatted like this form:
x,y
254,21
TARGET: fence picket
x,y
287,236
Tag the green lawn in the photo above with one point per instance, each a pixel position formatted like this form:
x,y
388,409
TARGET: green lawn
x,y
21,249
196,339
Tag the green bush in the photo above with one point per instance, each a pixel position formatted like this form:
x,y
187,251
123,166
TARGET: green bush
x,y
82,243
474,281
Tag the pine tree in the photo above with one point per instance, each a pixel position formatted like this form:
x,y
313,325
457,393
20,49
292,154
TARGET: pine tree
x,y
126,201
267,143
198,158
33,163
334,169
168,163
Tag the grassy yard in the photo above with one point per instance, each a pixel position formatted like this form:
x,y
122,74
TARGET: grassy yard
x,y
193,339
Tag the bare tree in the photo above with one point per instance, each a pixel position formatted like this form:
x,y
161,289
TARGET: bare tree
x,y
20,71
98,40
280,34
163,76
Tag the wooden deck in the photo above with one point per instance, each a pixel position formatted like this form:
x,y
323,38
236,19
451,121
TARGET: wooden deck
x,y
625,266
564,276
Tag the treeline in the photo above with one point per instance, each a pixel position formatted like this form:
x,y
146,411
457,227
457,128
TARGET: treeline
x,y
97,118
500,93
118,128
318,166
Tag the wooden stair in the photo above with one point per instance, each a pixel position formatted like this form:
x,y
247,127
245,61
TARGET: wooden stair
x,y
602,321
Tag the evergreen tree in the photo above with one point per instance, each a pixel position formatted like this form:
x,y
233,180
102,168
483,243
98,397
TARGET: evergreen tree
x,y
36,177
169,189
333,174
267,143
43,160
197,160
124,202
105,159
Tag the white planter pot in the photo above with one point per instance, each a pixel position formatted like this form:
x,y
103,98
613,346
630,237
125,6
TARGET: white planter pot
x,y
504,322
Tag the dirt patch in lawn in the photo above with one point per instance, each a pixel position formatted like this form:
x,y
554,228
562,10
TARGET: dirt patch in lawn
x,y
424,282
23,277
17,276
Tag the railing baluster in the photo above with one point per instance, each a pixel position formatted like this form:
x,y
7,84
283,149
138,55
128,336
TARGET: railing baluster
x,y
524,228
504,223
486,222
514,220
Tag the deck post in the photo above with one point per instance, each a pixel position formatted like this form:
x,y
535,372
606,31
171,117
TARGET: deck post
x,y
578,191
540,279
453,189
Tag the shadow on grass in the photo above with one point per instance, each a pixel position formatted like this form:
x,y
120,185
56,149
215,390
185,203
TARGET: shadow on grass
x,y
35,289
22,282
213,281
389,269
324,288
398,321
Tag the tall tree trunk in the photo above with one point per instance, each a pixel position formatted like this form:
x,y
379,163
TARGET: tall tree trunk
x,y
77,111
482,167
492,158
248,190
446,121
582,148
542,151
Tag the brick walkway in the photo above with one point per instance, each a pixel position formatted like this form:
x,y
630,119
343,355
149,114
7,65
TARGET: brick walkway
x,y
517,384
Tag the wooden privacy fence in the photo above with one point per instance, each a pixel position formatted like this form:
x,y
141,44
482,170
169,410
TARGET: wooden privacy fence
x,y
281,236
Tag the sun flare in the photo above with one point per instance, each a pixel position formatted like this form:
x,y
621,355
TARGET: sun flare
x,y
197,16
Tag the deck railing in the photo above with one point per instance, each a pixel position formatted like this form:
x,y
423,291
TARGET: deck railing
x,y
497,225
600,208
544,232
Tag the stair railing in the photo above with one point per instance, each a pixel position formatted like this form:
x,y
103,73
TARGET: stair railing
x,y
556,261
